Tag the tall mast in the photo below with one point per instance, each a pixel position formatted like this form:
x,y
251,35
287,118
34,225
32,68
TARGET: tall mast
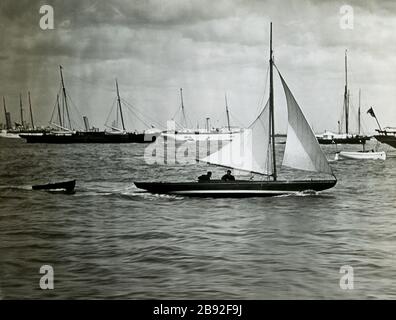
x,y
59,111
359,113
271,105
119,106
30,108
182,106
64,97
228,114
346,95
5,111
20,104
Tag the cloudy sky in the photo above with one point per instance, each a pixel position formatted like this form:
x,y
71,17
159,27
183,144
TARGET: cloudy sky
x,y
154,47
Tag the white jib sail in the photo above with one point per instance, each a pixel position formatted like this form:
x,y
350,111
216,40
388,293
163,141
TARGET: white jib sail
x,y
302,149
249,151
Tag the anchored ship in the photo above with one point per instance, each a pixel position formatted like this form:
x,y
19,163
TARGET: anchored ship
x,y
65,133
344,138
186,134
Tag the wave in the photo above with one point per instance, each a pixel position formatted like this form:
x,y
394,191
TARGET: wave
x,y
14,187
305,193
130,192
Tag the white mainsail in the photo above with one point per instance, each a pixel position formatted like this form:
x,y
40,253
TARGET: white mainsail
x,y
250,150
302,149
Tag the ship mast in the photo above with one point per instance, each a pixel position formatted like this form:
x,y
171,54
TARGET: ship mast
x,y
5,112
20,104
271,107
227,112
59,110
182,107
30,108
359,113
346,95
64,97
119,106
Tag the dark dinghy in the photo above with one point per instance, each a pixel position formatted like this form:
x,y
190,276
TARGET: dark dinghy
x,y
67,186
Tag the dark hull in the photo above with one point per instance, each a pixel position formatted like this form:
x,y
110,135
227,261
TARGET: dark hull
x,y
235,189
388,139
350,140
89,137
67,186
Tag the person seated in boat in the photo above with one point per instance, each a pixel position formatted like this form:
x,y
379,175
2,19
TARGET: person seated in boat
x,y
205,177
228,176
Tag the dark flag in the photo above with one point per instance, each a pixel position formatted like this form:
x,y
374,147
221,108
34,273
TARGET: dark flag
x,y
371,112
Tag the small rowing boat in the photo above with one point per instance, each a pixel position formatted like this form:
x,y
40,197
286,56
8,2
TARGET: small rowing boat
x,y
360,155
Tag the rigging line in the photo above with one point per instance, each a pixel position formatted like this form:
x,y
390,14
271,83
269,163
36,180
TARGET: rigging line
x,y
177,125
56,104
111,111
242,125
53,111
142,114
137,116
188,122
78,125
174,116
265,91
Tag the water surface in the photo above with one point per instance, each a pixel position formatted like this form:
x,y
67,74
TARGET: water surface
x,y
110,240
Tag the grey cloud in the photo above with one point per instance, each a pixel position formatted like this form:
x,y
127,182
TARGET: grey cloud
x,y
155,47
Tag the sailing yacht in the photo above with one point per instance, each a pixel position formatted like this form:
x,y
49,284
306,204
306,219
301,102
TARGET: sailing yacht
x,y
302,152
22,127
363,154
207,134
65,133
329,137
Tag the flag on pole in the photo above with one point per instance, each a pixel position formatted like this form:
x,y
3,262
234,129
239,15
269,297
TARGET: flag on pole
x,y
371,112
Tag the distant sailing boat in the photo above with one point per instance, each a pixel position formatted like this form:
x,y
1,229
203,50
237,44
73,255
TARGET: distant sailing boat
x,y
22,127
8,132
364,154
67,134
186,134
343,138
302,151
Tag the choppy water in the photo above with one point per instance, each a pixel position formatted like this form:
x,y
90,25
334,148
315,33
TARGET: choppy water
x,y
109,240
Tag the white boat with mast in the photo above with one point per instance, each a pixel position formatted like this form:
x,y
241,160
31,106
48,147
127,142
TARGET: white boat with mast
x,y
302,151
185,134
364,154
